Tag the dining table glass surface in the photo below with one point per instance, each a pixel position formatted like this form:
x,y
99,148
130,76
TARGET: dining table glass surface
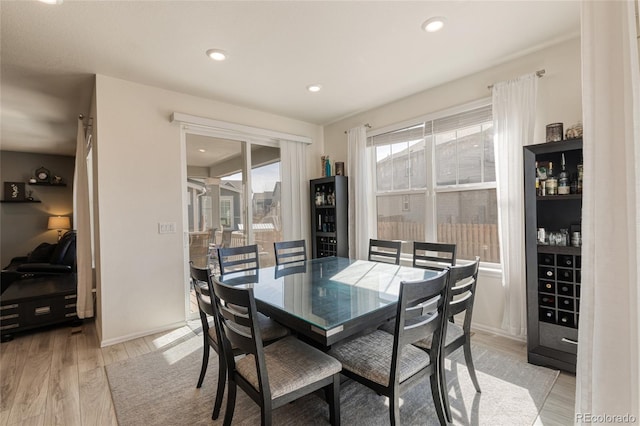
x,y
328,293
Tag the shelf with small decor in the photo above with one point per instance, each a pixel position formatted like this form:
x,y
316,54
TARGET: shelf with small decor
x,y
43,177
47,184
553,215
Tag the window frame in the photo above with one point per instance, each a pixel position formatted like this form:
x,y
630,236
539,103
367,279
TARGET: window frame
x,y
432,189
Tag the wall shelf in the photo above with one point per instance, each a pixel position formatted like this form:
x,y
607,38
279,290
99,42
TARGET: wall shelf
x,y
47,184
559,197
20,201
560,249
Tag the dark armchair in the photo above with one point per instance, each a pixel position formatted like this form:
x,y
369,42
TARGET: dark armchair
x,y
46,259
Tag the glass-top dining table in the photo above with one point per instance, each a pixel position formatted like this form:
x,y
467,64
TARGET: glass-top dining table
x,y
328,299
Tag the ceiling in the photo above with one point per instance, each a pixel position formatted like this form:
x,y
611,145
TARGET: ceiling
x,y
364,54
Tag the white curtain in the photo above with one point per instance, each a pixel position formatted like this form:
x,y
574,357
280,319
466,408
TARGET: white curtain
x,y
295,190
607,379
82,221
362,205
514,110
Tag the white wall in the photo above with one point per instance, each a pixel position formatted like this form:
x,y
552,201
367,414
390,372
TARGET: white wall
x,y
559,100
140,272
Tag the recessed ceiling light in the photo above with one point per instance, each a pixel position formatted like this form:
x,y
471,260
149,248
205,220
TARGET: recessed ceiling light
x,y
202,150
217,54
432,25
314,88
51,1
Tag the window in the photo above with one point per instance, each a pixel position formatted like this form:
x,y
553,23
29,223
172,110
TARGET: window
x,y
436,181
226,211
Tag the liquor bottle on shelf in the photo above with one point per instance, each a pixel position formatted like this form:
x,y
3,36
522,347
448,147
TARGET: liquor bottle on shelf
x,y
563,180
552,181
330,197
542,176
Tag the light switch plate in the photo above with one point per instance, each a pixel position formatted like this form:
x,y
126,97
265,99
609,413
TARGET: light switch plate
x,y
166,227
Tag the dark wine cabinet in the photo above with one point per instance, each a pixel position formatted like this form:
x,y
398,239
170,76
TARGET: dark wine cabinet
x,y
329,216
553,271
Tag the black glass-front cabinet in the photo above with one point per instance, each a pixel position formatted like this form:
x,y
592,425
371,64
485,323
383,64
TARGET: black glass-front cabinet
x,y
329,216
553,251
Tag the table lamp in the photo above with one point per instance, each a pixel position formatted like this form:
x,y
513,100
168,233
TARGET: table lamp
x,y
59,223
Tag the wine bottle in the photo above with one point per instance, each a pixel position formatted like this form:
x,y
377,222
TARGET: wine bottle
x,y
563,180
552,181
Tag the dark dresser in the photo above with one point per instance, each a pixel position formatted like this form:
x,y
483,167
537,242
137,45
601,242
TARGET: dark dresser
x,y
34,302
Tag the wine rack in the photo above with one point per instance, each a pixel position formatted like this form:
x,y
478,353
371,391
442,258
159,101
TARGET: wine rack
x,y
553,271
559,287
329,222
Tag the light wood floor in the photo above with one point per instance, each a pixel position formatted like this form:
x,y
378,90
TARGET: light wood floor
x,y
57,376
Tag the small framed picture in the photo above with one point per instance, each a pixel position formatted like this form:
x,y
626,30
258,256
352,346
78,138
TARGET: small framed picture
x,y
339,168
14,191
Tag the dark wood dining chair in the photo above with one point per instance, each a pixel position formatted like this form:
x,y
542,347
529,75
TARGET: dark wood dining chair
x,y
290,251
271,331
462,293
389,363
238,259
434,256
385,251
271,375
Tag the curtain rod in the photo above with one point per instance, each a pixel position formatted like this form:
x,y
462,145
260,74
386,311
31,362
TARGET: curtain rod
x,y
88,128
367,125
539,74
89,122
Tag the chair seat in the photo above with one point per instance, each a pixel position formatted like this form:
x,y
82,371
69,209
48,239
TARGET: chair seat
x,y
270,329
370,356
292,365
454,331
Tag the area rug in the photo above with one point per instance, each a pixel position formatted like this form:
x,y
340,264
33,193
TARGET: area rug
x,y
159,388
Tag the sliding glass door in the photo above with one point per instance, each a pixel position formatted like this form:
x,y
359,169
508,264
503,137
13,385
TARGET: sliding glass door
x,y
231,183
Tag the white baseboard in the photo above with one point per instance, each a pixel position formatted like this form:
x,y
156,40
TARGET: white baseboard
x,y
498,331
128,337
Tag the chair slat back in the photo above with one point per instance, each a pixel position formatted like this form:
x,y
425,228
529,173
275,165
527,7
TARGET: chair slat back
x,y
433,255
200,280
237,324
290,251
385,251
236,259
420,307
462,283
